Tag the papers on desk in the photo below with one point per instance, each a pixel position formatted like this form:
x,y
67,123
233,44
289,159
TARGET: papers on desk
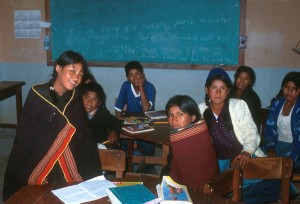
x,y
156,114
89,190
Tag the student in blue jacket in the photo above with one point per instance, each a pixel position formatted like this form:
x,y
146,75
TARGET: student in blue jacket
x,y
282,129
137,95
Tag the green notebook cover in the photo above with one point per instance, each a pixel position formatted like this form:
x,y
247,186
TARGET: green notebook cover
x,y
135,194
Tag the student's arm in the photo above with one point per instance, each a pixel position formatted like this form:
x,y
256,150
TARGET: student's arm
x,y
145,102
118,114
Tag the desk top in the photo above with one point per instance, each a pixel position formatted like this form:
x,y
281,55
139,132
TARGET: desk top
x,y
161,134
43,194
10,84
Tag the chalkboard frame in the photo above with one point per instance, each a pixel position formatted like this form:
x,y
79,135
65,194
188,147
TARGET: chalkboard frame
x,y
241,52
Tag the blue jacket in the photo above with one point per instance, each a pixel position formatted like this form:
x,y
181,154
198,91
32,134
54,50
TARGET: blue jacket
x,y
271,130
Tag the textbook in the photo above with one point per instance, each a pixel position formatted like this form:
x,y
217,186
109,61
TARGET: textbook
x,y
136,121
135,194
171,192
133,129
127,183
156,114
86,191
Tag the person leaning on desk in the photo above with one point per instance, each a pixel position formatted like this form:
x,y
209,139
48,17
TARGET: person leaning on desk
x,y
138,95
54,141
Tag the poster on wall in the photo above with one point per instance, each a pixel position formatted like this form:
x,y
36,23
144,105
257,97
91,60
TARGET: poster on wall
x,y
27,23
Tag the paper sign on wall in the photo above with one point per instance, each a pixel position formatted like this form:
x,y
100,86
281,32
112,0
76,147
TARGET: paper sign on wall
x,y
27,23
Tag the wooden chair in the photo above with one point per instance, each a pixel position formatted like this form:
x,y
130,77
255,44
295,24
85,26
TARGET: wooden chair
x,y
271,168
113,160
229,181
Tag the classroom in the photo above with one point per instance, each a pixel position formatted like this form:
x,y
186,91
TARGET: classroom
x,y
271,27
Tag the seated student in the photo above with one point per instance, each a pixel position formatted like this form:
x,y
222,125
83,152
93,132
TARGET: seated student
x,y
104,125
193,159
244,79
282,131
138,94
234,134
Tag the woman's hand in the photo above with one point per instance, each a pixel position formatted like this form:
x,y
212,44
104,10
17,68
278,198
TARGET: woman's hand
x,y
271,153
112,137
242,159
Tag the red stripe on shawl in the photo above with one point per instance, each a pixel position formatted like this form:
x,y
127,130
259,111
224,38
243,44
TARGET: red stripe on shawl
x,y
69,167
46,164
200,127
65,169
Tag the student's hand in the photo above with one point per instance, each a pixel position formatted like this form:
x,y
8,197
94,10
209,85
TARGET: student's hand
x,y
112,137
271,153
242,159
142,80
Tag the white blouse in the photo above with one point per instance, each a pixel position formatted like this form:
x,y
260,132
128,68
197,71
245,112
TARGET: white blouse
x,y
284,127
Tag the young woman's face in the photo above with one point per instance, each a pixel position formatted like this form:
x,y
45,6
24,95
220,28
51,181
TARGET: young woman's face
x,y
133,76
90,101
217,92
68,77
178,119
243,81
290,91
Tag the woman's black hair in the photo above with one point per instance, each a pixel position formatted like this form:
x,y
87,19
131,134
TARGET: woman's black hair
x,y
67,58
225,110
186,105
133,65
289,77
220,77
94,87
249,71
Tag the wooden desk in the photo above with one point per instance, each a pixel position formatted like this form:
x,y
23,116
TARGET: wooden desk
x,y
8,89
43,194
161,136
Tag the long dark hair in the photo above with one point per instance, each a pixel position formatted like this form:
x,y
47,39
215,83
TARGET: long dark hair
x,y
67,58
226,114
186,105
289,77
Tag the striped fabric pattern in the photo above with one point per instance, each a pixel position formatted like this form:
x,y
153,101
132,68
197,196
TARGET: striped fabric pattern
x,y
57,151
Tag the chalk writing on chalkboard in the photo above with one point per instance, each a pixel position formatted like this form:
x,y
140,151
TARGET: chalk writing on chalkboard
x,y
169,31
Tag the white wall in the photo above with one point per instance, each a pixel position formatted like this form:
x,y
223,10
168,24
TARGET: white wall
x,y
167,83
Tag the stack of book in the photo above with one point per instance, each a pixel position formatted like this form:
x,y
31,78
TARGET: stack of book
x,y
135,125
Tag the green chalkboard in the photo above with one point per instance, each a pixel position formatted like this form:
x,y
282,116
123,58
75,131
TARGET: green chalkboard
x,y
202,32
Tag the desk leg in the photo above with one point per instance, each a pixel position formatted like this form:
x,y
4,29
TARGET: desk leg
x,y
18,102
129,154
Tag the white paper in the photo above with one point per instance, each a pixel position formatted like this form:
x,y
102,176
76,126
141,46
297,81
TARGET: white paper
x,y
89,190
45,24
27,23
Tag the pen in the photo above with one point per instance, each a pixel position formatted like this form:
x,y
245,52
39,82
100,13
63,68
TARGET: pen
x,y
107,141
161,122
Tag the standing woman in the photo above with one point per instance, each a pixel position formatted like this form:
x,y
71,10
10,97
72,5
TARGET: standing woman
x,y
282,132
230,124
244,79
54,141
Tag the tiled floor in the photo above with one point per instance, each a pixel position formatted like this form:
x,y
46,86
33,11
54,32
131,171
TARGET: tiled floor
x,y
6,141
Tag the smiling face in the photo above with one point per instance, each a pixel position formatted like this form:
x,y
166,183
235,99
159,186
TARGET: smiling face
x,y
243,81
68,77
290,91
90,101
217,92
133,76
178,119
